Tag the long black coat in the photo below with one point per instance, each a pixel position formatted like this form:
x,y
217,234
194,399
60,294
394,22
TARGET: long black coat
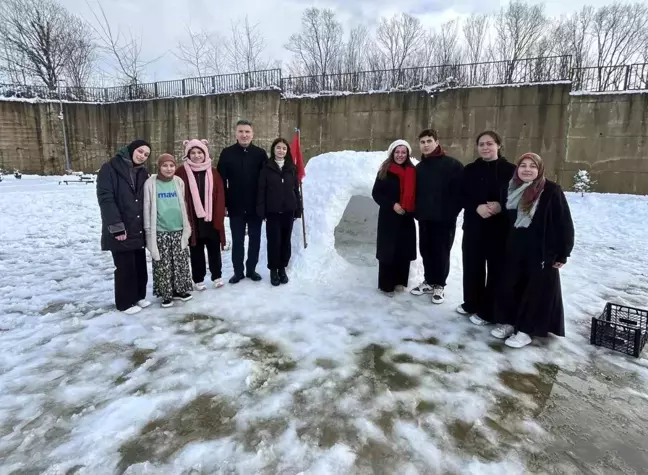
x,y
396,240
278,190
483,182
531,297
239,167
120,192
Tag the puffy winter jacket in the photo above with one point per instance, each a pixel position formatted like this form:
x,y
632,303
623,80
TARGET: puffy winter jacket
x,y
120,192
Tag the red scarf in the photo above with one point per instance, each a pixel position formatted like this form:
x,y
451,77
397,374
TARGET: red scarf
x,y
407,177
437,152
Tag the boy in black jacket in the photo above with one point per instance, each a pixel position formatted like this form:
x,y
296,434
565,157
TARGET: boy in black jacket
x,y
438,202
239,166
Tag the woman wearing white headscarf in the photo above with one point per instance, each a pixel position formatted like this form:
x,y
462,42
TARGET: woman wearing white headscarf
x,y
395,191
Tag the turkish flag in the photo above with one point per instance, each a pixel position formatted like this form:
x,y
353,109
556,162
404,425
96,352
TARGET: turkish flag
x,y
298,158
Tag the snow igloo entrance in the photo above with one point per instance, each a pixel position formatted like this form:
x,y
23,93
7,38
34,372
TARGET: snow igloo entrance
x,y
355,234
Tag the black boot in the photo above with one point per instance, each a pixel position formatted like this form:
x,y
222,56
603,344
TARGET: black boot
x,y
253,276
283,277
236,278
274,277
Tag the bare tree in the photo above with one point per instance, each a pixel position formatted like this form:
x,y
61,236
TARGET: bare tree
x,y
399,39
620,32
355,50
123,52
475,29
82,60
316,49
571,36
195,52
520,26
39,38
447,45
245,48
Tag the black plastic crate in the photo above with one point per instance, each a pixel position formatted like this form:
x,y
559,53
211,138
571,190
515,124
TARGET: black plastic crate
x,y
621,328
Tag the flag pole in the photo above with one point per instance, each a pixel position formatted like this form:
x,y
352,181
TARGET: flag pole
x,y
301,193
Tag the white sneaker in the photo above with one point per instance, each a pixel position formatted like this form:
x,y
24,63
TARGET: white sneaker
x,y
460,309
519,340
422,288
400,288
438,294
503,331
143,303
480,322
218,283
200,286
133,310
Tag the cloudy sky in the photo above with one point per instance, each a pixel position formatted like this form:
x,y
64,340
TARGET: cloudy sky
x,y
161,23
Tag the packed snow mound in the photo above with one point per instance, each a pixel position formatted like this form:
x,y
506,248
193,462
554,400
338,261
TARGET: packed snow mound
x,y
332,179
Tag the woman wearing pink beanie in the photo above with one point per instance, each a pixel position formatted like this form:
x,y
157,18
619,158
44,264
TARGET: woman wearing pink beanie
x,y
205,199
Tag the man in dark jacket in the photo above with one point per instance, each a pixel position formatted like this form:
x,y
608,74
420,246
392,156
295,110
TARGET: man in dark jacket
x,y
239,166
438,202
120,192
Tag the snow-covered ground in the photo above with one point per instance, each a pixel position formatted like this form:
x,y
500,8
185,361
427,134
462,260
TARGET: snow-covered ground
x,y
322,376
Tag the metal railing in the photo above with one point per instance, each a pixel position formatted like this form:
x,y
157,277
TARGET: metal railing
x,y
224,83
527,70
630,77
626,77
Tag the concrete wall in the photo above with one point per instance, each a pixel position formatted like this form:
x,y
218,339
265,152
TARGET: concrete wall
x,y
605,134
529,118
608,136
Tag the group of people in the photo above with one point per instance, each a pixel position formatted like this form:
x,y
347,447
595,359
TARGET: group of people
x,y
517,227
517,233
180,212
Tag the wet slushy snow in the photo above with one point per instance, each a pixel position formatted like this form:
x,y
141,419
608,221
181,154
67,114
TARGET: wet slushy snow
x,y
321,376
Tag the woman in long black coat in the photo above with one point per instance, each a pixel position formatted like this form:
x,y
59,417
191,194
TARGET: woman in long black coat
x,y
395,191
541,239
485,227
279,203
120,192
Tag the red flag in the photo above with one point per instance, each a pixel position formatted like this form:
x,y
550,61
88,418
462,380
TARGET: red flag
x,y
298,158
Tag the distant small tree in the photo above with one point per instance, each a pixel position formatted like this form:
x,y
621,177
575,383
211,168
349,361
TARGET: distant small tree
x,y
582,182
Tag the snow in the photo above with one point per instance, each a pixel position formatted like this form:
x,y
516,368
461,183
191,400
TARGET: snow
x,y
608,93
324,375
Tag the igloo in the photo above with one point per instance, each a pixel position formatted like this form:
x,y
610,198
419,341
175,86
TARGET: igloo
x,y
338,205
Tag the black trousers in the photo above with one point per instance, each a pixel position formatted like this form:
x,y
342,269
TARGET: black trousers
x,y
237,226
278,233
391,274
482,250
435,243
131,278
197,253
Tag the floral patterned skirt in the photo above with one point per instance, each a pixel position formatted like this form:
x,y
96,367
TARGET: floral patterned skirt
x,y
171,274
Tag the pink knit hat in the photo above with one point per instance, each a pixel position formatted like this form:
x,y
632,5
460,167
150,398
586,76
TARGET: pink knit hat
x,y
196,143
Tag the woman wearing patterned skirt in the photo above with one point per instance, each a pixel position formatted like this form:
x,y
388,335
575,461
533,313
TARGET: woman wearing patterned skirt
x,y
167,229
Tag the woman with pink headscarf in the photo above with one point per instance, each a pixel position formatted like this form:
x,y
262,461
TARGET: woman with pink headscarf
x,y
205,199
540,241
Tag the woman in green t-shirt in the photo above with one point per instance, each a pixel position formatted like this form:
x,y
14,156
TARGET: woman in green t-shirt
x,y
167,231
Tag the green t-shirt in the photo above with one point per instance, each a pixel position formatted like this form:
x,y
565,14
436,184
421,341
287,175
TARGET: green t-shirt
x,y
169,215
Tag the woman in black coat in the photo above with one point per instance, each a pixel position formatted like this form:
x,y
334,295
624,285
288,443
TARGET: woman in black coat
x,y
395,192
279,203
485,227
120,192
540,240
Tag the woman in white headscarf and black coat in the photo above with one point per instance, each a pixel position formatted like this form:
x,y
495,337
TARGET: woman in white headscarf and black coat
x,y
540,240
395,191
